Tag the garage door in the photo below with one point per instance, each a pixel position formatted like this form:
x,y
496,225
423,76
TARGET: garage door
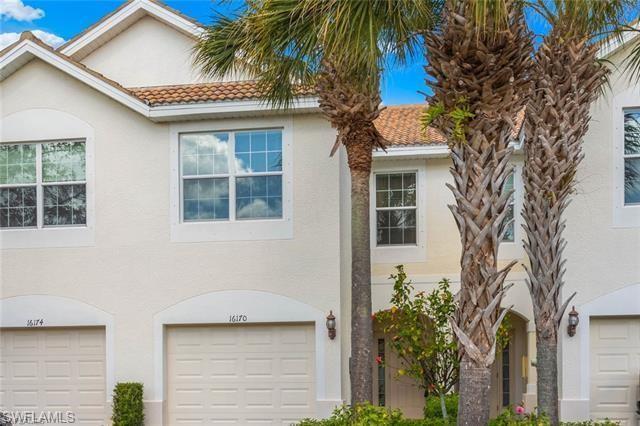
x,y
615,367
240,374
55,370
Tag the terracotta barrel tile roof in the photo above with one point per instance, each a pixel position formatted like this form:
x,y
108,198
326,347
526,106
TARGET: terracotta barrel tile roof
x,y
400,126
201,92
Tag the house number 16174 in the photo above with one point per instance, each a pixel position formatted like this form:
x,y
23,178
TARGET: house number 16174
x,y
35,322
237,318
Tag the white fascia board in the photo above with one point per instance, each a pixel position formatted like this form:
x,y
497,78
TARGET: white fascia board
x,y
177,112
428,151
29,48
612,45
151,8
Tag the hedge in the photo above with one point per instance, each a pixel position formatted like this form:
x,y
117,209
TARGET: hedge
x,y
128,408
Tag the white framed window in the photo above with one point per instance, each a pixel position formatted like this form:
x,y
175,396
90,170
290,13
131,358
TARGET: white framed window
x,y
231,181
509,235
396,208
626,159
43,185
231,175
511,244
631,158
398,211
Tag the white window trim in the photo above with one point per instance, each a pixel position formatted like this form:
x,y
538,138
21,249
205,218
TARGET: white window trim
x,y
514,250
624,216
45,126
232,230
401,253
40,184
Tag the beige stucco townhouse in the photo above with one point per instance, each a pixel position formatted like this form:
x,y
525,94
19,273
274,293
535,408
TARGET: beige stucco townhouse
x,y
162,228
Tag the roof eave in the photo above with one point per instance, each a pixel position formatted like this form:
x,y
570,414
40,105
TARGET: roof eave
x,y
223,109
614,44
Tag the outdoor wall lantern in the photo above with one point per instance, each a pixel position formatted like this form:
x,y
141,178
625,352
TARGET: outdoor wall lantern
x,y
331,325
573,322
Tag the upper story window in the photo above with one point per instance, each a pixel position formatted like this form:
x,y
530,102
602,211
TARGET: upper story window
x,y
509,232
231,176
396,208
43,184
631,157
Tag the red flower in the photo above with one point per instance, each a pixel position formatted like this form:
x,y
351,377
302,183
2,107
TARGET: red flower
x,y
378,360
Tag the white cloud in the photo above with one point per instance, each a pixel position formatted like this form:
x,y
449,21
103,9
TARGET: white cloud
x,y
51,39
16,9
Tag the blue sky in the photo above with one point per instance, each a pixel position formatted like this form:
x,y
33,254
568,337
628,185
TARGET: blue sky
x,y
59,20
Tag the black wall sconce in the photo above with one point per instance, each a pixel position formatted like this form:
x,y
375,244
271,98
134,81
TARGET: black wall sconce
x,y
573,322
331,325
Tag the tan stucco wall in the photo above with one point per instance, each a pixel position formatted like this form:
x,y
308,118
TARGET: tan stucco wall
x,y
133,271
148,53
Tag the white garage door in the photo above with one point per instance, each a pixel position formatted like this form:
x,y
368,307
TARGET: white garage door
x,y
615,369
56,370
240,374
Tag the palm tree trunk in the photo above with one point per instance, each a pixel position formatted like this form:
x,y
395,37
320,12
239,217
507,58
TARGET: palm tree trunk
x,y
475,383
547,368
361,322
352,113
567,80
482,76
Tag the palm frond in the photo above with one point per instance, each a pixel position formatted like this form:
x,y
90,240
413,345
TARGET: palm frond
x,y
282,43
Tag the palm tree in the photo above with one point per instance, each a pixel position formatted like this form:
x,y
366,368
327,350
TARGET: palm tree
x,y
337,48
479,63
567,79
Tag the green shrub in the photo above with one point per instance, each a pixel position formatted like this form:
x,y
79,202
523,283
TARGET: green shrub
x,y
128,408
371,415
432,408
509,418
360,415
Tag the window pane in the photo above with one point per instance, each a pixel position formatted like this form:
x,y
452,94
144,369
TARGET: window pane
x,y
632,181
258,141
18,207
259,197
632,133
205,199
243,142
509,235
17,164
508,184
63,161
64,205
274,161
259,151
396,190
382,182
396,227
274,140
204,154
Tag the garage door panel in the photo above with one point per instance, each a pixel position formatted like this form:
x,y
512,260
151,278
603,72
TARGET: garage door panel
x,y
615,367
59,369
246,374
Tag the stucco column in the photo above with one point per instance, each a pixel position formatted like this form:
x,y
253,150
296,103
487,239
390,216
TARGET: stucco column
x,y
530,398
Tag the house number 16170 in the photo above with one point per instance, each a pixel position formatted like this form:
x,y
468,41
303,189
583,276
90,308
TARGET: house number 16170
x,y
237,318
